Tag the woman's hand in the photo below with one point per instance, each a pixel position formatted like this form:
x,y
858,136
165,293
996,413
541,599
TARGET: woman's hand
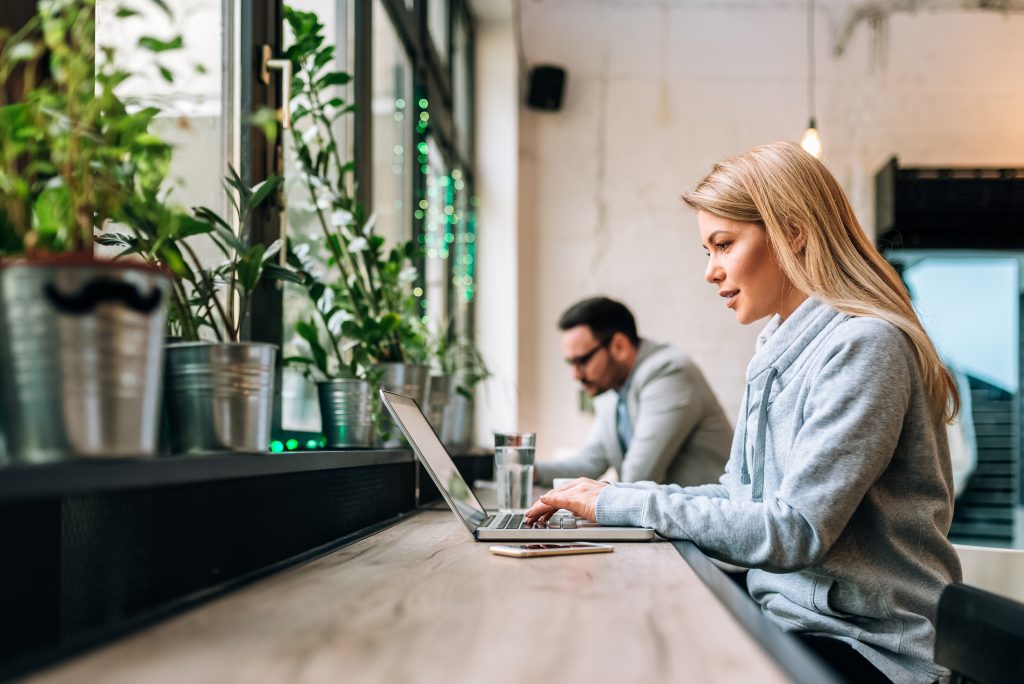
x,y
579,497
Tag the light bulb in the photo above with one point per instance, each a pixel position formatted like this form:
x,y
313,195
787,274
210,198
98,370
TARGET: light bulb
x,y
811,142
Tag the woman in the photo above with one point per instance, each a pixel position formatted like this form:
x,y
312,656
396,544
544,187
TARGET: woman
x,y
838,492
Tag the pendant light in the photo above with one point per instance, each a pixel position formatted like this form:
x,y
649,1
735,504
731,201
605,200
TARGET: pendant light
x,y
811,140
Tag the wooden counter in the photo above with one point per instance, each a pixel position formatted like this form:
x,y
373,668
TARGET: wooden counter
x,y
421,602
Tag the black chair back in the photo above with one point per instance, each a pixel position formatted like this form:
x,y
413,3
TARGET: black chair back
x,y
980,636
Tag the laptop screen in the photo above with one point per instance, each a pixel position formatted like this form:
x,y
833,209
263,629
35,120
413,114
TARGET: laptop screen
x,y
435,459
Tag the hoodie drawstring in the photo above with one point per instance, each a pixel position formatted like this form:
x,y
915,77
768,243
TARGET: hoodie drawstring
x,y
757,464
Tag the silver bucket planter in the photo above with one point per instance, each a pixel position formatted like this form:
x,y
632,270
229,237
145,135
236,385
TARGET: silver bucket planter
x,y
437,399
407,379
449,412
346,412
457,424
219,396
81,345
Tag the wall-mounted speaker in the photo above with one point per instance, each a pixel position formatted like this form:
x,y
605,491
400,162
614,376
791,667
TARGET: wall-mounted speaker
x,y
547,84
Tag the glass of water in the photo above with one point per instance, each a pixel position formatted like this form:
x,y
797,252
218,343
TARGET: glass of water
x,y
513,469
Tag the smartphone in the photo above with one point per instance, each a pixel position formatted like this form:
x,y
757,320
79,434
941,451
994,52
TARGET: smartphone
x,y
530,550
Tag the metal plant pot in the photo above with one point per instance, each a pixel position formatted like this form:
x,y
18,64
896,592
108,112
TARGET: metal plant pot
x,y
220,396
81,344
407,379
346,412
437,399
457,424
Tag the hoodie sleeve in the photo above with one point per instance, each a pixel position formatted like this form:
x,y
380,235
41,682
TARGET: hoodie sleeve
x,y
851,423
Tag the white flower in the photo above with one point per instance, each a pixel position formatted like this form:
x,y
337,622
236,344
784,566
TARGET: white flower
x,y
23,50
408,275
310,134
358,245
323,202
341,218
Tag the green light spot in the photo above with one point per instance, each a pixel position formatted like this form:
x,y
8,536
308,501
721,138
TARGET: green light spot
x,y
419,214
423,103
422,147
292,444
312,443
424,117
276,446
417,292
400,103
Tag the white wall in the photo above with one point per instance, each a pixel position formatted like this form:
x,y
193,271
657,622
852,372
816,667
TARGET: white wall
x,y
659,91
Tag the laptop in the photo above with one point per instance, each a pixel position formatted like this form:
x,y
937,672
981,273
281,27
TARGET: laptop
x,y
466,507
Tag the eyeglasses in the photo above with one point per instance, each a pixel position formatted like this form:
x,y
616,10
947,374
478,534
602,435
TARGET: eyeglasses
x,y
580,362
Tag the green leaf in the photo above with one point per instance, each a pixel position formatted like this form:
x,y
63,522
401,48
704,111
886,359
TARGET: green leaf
x,y
125,12
51,211
163,5
333,78
263,190
250,267
156,45
278,272
165,73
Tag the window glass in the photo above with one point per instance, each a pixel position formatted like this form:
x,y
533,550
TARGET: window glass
x,y
464,256
393,153
437,25
970,307
438,207
299,404
461,91
192,86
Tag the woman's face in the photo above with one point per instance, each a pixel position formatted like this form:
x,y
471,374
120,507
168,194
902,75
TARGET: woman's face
x,y
741,265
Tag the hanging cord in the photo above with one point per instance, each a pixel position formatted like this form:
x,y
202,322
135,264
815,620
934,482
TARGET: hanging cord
x,y
810,60
517,27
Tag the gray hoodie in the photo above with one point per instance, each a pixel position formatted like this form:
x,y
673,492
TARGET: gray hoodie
x,y
838,492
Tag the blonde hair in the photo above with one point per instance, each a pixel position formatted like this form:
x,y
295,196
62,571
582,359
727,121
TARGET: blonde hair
x,y
819,245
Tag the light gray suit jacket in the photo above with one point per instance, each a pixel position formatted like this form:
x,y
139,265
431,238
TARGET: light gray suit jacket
x,y
680,433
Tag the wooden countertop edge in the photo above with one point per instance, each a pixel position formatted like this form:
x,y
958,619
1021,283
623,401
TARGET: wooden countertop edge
x,y
792,657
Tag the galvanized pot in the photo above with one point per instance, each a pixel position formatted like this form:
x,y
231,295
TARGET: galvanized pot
x,y
449,412
81,344
220,396
346,412
407,379
457,423
437,398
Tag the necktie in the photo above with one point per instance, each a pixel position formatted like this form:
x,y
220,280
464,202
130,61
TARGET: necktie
x,y
622,426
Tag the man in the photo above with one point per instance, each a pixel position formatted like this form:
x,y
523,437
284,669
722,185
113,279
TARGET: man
x,y
660,422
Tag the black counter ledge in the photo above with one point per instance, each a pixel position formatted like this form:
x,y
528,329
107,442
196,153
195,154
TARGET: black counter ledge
x,y
41,481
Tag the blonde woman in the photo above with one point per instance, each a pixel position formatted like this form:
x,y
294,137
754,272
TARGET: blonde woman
x,y
838,493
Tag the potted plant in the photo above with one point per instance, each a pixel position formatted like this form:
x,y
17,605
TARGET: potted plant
x,y
372,285
458,368
345,394
80,337
219,389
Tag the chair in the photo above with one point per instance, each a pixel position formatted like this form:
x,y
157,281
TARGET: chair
x,y
980,636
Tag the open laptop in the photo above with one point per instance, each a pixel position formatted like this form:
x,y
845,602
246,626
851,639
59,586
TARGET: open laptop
x,y
460,498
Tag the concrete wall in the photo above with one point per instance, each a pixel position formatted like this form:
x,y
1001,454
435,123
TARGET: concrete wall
x,y
658,91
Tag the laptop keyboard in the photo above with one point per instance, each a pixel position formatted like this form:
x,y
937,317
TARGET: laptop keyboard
x,y
516,521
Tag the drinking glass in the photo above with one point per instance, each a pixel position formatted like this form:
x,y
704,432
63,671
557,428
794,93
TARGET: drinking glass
x,y
513,469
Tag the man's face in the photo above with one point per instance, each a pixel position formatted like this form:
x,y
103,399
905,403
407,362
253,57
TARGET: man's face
x,y
594,362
